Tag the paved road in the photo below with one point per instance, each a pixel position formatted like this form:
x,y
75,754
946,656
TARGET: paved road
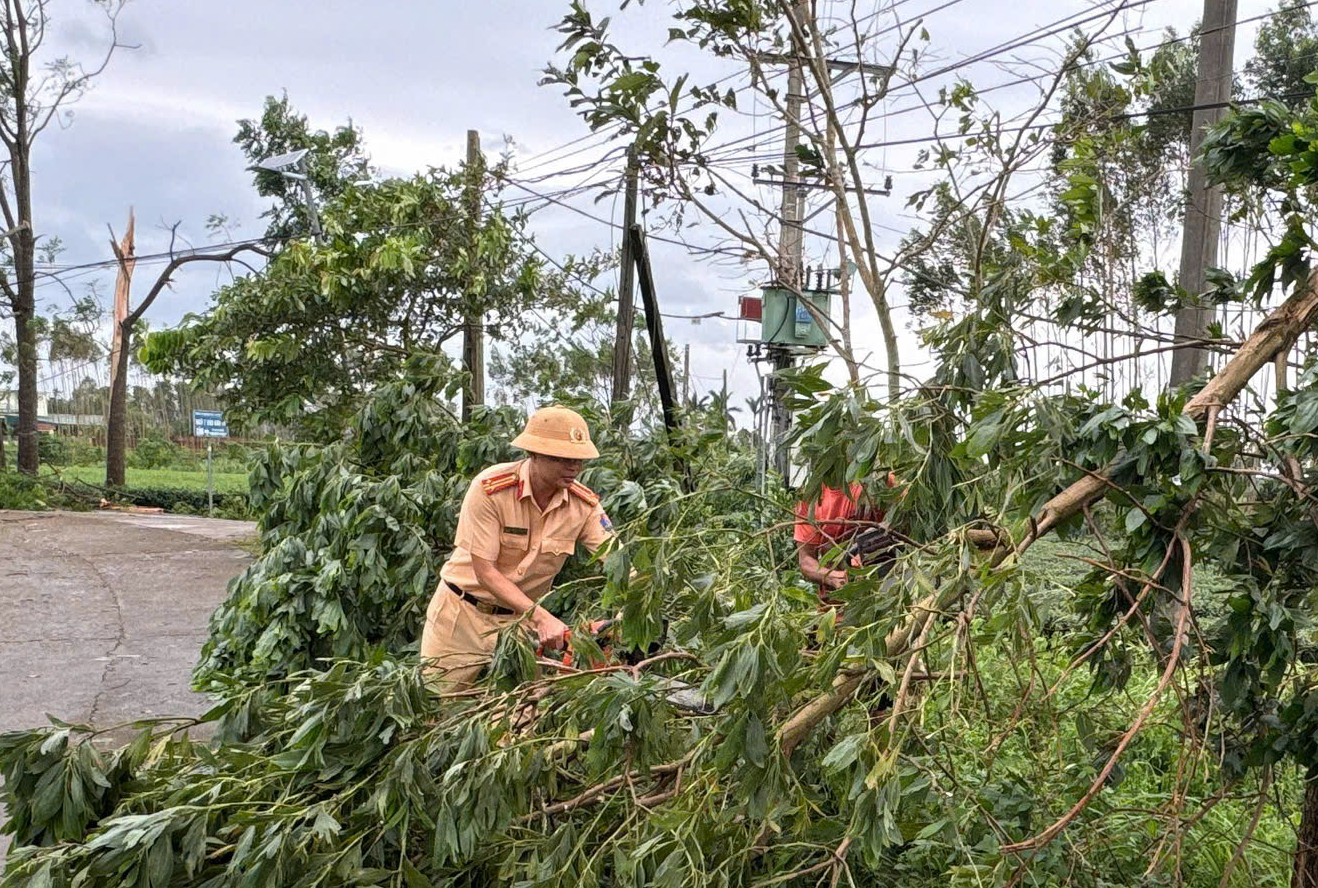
x,y
102,614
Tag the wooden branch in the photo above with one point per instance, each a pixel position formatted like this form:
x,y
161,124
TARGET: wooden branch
x,y
599,789
80,82
179,261
795,729
836,859
1173,659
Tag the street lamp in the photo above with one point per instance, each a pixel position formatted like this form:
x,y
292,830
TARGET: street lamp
x,y
283,165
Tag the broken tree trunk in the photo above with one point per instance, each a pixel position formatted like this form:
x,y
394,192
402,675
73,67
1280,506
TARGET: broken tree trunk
x,y
116,425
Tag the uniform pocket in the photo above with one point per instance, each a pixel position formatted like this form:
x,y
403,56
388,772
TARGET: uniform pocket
x,y
513,544
562,546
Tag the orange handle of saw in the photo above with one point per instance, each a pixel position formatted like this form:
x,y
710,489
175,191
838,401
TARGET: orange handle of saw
x,y
567,648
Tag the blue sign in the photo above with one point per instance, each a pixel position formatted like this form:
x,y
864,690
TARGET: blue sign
x,y
209,424
803,315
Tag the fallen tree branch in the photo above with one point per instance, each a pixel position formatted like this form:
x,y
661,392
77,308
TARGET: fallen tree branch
x,y
599,789
1277,332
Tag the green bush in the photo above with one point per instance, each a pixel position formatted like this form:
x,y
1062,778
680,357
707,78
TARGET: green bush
x,y
22,492
83,452
183,500
228,465
154,452
53,450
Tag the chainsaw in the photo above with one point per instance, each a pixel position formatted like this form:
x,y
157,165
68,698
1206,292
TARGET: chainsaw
x,y
874,546
679,694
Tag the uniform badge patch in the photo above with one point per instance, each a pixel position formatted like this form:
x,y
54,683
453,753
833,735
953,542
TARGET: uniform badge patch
x,y
605,522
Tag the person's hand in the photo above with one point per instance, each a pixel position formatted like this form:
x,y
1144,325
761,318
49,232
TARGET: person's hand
x,y
835,579
550,630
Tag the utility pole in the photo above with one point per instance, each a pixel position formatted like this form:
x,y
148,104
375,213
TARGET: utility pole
x,y
788,272
1203,211
727,414
310,196
686,374
654,323
622,342
473,329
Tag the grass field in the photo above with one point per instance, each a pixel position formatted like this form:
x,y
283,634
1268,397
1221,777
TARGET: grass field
x,y
224,482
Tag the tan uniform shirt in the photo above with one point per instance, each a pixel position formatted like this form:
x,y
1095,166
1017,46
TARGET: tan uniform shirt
x,y
501,522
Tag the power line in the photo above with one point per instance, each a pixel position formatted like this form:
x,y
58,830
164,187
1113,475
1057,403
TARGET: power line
x,y
1053,28
613,130
45,278
760,158
603,221
1155,112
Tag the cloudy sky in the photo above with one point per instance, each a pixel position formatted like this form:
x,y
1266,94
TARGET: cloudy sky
x,y
156,130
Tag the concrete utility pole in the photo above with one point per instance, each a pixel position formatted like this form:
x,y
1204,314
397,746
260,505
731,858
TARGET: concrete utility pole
x,y
622,342
473,330
1203,211
788,272
686,374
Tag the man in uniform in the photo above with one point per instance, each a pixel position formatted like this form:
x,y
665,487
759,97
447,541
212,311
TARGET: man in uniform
x,y
519,522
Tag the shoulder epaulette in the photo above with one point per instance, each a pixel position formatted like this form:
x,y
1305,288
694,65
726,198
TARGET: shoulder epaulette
x,y
495,483
585,493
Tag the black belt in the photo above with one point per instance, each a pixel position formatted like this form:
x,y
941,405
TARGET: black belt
x,y
483,606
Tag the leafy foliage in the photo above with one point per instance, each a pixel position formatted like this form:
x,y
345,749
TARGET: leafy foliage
x,y
1139,691
335,160
404,263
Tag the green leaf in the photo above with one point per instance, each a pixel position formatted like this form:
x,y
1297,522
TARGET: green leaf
x,y
413,875
933,829
1305,419
630,82
756,746
325,827
844,752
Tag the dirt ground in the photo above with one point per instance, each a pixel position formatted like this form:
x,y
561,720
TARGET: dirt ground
x,y
102,614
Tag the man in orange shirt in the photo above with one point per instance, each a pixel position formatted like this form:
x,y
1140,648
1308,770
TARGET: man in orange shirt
x,y
518,523
835,518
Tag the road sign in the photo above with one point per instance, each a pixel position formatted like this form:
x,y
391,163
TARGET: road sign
x,y
209,424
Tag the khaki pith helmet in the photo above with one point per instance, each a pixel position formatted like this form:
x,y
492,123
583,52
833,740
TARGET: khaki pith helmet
x,y
557,431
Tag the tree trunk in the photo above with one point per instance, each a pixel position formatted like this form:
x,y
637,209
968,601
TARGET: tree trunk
x,y
890,347
116,428
26,335
1305,873
23,245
